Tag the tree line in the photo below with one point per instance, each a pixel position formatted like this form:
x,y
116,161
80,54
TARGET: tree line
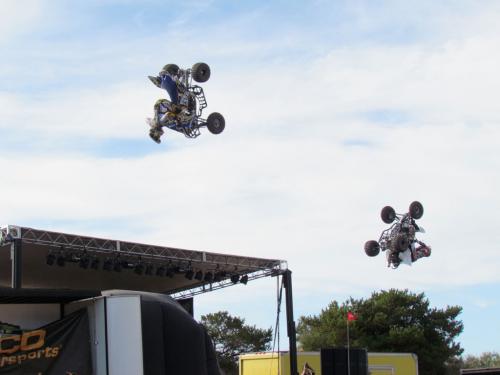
x,y
387,321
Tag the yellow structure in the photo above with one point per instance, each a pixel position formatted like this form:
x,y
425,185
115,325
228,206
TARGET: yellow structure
x,y
279,363
392,363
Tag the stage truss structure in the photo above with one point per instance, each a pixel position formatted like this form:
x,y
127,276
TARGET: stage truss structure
x,y
181,259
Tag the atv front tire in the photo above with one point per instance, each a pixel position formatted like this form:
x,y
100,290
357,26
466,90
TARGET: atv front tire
x,y
388,214
372,248
416,210
171,69
200,72
216,123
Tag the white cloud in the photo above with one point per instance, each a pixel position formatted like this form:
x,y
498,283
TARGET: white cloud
x,y
280,181
18,17
302,169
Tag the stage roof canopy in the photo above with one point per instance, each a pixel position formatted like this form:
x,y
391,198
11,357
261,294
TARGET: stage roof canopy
x,y
50,264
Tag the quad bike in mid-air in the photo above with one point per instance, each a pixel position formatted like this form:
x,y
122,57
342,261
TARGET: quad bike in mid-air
x,y
399,239
183,112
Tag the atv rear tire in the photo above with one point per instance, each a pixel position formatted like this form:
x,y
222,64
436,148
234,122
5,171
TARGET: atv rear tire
x,y
388,214
171,69
200,72
216,123
372,248
416,210
400,242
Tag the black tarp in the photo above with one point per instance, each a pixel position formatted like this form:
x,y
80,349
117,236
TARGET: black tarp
x,y
61,347
173,342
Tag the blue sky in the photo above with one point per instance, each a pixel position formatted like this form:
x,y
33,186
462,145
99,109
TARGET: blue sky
x,y
334,109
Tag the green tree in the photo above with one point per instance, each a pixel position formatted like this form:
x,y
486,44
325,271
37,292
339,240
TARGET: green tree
x,y
389,321
485,360
233,337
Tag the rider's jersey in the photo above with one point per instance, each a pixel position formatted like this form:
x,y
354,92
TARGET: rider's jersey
x,y
169,84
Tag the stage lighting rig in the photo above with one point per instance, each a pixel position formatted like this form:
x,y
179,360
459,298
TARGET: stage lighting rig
x,y
94,264
108,264
149,270
209,276
60,260
139,268
235,278
160,271
198,275
170,272
189,274
51,258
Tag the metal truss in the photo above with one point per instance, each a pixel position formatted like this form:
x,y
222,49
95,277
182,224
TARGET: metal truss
x,y
69,243
193,291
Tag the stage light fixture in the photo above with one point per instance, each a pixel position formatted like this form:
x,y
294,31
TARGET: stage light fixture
x,y
209,276
84,262
94,264
189,274
199,275
170,272
61,261
117,265
51,258
235,278
244,279
108,265
139,268
160,271
218,276
149,269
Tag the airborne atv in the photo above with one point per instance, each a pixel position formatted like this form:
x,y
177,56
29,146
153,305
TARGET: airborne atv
x,y
183,112
399,239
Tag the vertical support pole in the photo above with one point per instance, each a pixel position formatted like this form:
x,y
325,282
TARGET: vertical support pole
x,y
292,339
16,262
348,355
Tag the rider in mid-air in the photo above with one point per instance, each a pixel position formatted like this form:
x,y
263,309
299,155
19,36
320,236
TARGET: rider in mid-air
x,y
164,108
183,112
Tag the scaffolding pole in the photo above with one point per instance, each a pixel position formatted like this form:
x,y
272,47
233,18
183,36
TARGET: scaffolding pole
x,y
292,339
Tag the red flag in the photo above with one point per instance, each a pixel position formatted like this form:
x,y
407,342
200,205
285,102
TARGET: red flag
x,y
351,316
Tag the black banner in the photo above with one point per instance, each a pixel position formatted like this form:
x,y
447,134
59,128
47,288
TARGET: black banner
x,y
59,348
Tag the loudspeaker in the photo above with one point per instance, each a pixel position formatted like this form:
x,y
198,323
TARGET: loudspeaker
x,y
334,361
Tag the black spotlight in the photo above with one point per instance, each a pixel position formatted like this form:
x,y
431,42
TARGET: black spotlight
x,y
51,258
94,264
108,265
117,265
235,278
160,271
244,279
209,276
149,270
198,275
189,274
170,272
84,262
61,261
139,268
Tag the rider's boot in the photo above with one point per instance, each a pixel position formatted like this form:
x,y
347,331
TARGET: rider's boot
x,y
156,81
155,132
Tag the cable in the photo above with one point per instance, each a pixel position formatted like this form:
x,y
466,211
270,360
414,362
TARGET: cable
x,y
279,293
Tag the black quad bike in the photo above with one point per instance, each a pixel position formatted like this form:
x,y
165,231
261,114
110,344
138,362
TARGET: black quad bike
x,y
399,239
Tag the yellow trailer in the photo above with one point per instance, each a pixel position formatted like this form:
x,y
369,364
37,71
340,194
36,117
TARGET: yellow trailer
x,y
392,363
268,363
